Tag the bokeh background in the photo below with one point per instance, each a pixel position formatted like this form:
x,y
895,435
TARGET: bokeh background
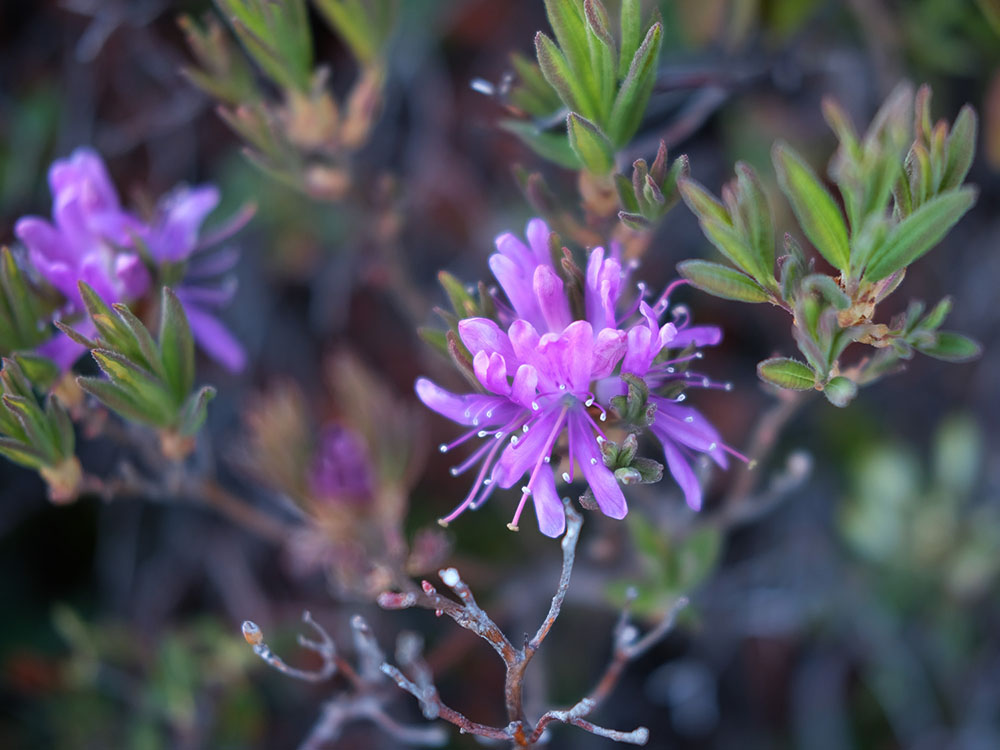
x,y
858,609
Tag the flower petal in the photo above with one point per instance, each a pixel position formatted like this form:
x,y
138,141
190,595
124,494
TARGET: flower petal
x,y
609,347
483,335
602,481
491,370
684,475
215,339
548,507
552,302
697,335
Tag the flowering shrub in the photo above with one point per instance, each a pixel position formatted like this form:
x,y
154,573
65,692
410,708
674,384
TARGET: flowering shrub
x,y
589,366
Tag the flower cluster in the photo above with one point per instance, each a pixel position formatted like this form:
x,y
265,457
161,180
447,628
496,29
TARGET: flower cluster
x,y
549,378
92,238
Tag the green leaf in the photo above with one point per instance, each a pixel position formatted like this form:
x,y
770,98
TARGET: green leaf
x,y
590,145
722,281
840,391
552,146
787,373
951,347
32,419
919,232
829,288
961,149
121,402
144,341
630,104
731,243
176,345
147,390
631,28
755,216
814,207
603,54
936,316
701,202
567,20
195,410
21,453
561,77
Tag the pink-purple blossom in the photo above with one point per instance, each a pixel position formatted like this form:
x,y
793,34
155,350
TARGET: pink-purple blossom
x,y
92,238
548,374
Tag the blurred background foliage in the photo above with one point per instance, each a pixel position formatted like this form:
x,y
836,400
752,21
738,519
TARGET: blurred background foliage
x,y
856,606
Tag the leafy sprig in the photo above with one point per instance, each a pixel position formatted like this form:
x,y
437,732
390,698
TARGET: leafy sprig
x,y
898,205
149,381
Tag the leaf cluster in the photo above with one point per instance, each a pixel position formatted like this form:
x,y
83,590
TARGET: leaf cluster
x,y
149,381
602,82
23,308
899,203
304,138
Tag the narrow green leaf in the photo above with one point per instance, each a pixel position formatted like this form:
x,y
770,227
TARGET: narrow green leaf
x,y
21,453
143,340
590,145
111,330
961,149
626,193
603,54
149,391
562,78
722,281
951,347
634,221
919,232
631,28
195,410
567,21
701,202
787,373
121,402
633,95
814,207
34,423
176,346
731,244
755,213
840,391
61,427
936,316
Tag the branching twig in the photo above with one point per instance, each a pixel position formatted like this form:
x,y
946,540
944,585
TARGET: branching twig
x,y
520,732
324,647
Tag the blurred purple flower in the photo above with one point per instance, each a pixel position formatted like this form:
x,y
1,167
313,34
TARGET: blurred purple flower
x,y
548,396
93,239
340,466
173,238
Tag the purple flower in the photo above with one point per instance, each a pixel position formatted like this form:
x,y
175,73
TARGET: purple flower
x,y
544,374
92,238
89,239
538,388
340,467
172,238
